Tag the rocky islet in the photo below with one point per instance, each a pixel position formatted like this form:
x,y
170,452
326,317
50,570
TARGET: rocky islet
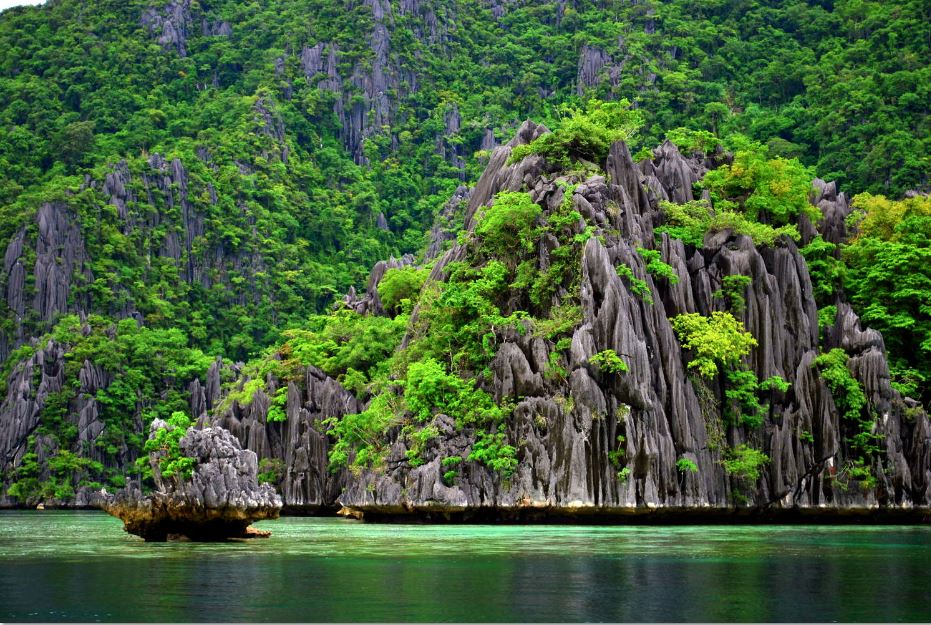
x,y
218,501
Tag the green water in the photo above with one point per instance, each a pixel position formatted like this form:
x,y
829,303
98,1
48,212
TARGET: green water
x,y
74,566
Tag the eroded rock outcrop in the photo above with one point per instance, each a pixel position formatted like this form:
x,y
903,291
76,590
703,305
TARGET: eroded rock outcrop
x,y
298,448
444,229
573,432
655,415
369,302
362,102
52,250
220,499
170,24
594,65
30,385
569,432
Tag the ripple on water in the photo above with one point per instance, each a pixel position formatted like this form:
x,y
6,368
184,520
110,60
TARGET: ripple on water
x,y
64,534
81,566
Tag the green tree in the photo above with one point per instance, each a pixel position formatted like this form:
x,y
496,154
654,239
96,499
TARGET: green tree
x,y
693,220
506,226
888,279
773,190
166,449
719,339
745,462
73,142
400,285
585,134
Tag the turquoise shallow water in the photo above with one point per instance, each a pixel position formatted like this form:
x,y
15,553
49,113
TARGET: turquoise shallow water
x,y
81,566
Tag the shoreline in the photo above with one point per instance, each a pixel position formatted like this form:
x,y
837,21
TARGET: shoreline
x,y
593,516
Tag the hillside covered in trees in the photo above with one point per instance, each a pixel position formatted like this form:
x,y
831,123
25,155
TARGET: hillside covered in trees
x,y
660,302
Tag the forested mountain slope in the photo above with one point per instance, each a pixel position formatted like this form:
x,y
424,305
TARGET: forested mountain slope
x,y
183,180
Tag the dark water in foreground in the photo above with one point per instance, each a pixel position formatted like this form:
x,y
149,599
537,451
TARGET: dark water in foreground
x,y
74,566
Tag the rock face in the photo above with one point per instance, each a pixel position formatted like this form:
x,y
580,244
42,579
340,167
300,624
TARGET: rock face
x,y
566,430
170,24
362,104
443,233
52,252
47,263
30,385
300,444
592,63
569,431
219,501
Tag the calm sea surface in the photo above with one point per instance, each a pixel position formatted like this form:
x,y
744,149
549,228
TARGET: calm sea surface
x,y
81,566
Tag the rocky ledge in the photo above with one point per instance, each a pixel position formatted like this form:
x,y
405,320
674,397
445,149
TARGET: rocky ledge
x,y
218,500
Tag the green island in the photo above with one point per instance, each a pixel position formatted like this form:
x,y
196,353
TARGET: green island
x,y
190,190
587,262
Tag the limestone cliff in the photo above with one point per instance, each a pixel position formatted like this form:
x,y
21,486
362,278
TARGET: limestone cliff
x,y
570,430
565,430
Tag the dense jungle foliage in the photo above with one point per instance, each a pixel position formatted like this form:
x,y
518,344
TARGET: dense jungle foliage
x,y
843,86
294,182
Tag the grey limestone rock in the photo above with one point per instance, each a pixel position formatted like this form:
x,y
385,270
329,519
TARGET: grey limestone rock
x,y
591,61
499,176
443,231
445,146
216,28
433,21
170,24
29,386
676,173
369,302
360,117
300,444
59,253
57,261
572,433
566,431
595,65
219,501
834,209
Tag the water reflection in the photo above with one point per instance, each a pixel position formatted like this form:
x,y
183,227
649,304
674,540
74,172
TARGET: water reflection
x,y
82,567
